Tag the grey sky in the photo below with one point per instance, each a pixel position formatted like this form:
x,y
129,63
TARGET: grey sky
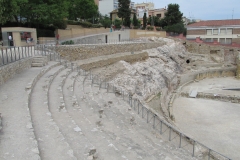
x,y
203,9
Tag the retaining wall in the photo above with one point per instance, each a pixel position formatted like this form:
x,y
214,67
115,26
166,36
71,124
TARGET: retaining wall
x,y
8,71
210,73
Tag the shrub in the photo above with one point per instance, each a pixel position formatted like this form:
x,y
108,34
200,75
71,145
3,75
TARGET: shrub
x,y
60,24
67,42
150,28
83,24
136,27
158,29
97,26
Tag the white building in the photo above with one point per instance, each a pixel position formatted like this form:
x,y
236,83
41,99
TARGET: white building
x,y
143,8
107,6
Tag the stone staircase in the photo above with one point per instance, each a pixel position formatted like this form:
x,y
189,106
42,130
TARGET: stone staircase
x,y
39,61
73,118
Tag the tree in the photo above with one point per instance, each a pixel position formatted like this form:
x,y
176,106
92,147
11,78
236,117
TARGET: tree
x,y
144,20
106,21
172,22
173,15
135,20
123,10
82,9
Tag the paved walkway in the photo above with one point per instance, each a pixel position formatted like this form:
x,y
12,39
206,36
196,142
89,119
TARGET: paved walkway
x,y
17,140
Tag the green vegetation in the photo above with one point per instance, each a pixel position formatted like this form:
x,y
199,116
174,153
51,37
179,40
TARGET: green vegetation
x,y
124,11
144,20
172,22
67,42
150,28
45,14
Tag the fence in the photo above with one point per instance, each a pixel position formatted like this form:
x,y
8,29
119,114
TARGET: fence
x,y
166,130
12,54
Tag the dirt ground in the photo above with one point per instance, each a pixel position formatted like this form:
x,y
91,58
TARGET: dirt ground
x,y
214,123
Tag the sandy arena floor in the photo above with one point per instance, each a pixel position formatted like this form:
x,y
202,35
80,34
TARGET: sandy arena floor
x,y
214,123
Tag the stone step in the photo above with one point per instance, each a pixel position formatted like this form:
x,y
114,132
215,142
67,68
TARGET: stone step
x,y
51,141
38,64
126,124
39,61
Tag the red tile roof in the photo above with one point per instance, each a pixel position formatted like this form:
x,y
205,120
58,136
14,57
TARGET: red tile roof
x,y
216,23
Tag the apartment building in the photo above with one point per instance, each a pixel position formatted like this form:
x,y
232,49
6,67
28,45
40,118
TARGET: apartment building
x,y
107,6
157,12
221,31
142,8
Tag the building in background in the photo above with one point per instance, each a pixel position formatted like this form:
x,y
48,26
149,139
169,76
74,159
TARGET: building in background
x,y
142,8
160,13
115,16
218,31
107,6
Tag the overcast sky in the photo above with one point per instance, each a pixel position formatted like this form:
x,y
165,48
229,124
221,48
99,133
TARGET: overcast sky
x,y
202,9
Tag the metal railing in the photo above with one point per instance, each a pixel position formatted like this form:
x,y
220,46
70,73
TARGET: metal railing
x,y
13,54
166,130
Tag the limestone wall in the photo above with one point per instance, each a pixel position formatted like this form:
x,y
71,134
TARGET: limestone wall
x,y
127,58
8,71
210,73
73,53
218,97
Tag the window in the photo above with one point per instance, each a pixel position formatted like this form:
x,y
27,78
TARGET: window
x,y
222,31
229,31
215,31
228,40
159,15
209,32
222,40
208,40
25,35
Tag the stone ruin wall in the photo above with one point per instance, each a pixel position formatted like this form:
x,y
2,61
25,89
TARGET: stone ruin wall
x,y
73,53
229,53
128,58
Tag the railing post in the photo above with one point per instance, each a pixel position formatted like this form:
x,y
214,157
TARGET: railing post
x,y
22,52
7,55
11,53
154,121
18,54
193,148
209,154
25,51
170,130
180,141
15,53
147,116
138,106
161,127
2,57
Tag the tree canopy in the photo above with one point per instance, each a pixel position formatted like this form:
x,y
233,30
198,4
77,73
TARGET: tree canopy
x,y
124,11
173,15
46,11
172,22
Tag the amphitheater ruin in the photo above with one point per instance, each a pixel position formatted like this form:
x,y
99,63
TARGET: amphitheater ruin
x,y
150,98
